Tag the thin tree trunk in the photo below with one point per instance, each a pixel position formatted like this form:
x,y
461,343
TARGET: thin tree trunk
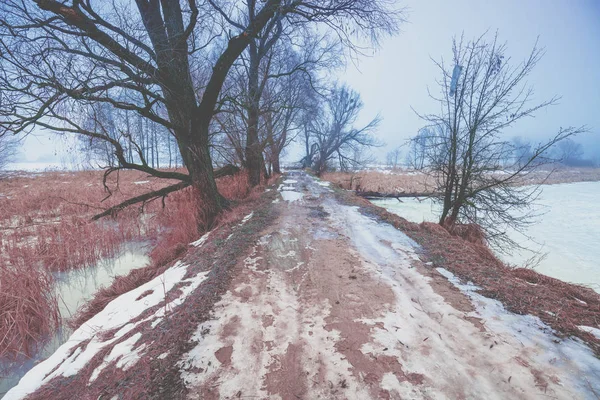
x,y
253,151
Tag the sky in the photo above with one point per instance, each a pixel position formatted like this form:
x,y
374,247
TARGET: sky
x,y
396,77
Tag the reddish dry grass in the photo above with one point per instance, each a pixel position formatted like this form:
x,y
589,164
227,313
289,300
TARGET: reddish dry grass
x,y
562,306
45,218
178,222
373,181
45,223
399,181
28,310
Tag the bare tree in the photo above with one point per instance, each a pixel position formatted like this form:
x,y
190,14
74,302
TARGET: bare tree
x,y
521,150
166,61
569,152
465,152
8,150
393,157
417,148
335,137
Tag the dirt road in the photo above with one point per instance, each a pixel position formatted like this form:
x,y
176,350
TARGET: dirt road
x,y
332,304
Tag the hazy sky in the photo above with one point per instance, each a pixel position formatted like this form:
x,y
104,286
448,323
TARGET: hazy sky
x,y
397,76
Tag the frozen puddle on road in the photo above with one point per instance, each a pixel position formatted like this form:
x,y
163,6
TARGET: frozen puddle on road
x,y
289,193
291,196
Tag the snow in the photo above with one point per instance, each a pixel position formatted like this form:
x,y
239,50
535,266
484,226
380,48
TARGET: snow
x,y
289,193
124,352
201,241
324,184
590,329
291,196
246,218
567,354
422,319
74,355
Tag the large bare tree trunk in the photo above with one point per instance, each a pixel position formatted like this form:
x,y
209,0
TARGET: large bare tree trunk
x,y
275,162
210,202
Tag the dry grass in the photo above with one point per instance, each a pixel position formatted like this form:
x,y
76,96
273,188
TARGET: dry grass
x,y
28,310
375,181
45,226
400,181
179,229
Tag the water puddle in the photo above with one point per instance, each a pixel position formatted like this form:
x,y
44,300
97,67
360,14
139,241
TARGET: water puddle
x,y
73,289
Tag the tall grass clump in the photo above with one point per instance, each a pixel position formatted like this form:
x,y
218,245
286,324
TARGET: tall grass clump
x,y
28,310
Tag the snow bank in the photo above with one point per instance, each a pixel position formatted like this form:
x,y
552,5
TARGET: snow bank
x,y
591,329
73,356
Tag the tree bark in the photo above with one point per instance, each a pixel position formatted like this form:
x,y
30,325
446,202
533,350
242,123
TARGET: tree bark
x,y
275,161
253,151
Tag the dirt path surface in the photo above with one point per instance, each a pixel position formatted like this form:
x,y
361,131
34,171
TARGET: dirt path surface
x,y
331,304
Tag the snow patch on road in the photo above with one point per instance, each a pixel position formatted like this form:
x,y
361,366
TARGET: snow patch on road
x,y
546,349
291,196
247,369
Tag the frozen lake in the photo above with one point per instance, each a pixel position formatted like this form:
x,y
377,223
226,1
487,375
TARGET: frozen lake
x,y
568,232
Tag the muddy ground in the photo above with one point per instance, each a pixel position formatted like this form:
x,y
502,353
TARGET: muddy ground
x,y
332,304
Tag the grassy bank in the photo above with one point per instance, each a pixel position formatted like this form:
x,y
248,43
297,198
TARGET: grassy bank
x,y
165,330
45,227
406,181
